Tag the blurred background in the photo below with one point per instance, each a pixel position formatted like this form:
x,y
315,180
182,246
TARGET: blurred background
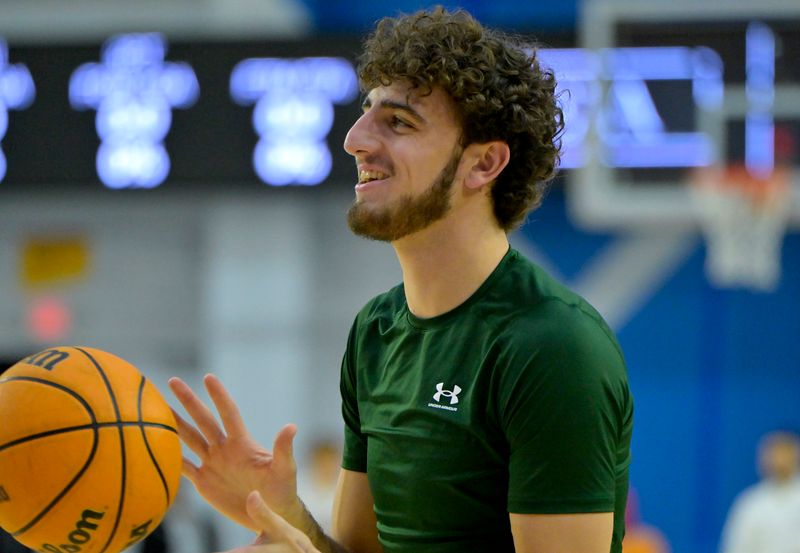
x,y
173,190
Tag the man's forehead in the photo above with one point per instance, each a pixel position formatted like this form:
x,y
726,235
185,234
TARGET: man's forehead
x,y
406,92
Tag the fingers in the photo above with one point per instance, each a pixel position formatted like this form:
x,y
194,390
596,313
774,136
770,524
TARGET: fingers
x,y
193,439
198,410
275,529
264,518
283,448
226,406
190,470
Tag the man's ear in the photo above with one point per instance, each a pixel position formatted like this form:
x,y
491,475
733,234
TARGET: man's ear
x,y
485,162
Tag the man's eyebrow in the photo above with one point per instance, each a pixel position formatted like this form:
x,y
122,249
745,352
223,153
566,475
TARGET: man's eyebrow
x,y
392,104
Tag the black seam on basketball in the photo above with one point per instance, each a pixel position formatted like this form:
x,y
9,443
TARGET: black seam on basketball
x,y
46,434
121,446
147,444
63,492
67,488
56,385
83,469
97,425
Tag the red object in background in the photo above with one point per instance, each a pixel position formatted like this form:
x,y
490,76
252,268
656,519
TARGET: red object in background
x,y
49,319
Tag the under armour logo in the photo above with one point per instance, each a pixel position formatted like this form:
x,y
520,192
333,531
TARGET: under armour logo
x,y
453,395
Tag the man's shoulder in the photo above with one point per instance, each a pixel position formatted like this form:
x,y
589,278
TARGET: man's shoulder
x,y
388,303
535,302
526,285
755,496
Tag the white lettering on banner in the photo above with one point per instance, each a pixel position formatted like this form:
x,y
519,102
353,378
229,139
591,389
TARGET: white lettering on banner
x,y
294,113
133,90
17,92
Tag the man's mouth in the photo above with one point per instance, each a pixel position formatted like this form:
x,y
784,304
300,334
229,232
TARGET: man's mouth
x,y
369,176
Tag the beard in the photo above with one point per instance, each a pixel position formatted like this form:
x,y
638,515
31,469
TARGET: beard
x,y
409,214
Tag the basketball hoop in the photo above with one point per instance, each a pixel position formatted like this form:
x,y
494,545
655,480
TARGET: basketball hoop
x,y
743,218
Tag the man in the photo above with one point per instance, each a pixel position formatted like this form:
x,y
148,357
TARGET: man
x,y
486,407
765,518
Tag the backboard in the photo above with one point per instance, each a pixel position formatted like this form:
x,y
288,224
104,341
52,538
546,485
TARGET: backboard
x,y
659,90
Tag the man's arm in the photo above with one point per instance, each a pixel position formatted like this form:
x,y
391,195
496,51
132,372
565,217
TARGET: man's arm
x,y
276,535
354,522
572,533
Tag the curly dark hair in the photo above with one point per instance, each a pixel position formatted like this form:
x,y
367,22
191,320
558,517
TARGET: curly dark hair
x,y
497,85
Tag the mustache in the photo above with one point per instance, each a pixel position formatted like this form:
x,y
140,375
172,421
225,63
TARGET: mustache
x,y
385,165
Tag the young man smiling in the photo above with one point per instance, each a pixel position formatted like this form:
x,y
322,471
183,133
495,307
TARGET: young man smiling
x,y
486,407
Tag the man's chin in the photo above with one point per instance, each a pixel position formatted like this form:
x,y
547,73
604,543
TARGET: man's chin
x,y
367,224
405,215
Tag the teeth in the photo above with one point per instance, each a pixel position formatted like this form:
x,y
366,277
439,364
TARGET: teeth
x,y
366,176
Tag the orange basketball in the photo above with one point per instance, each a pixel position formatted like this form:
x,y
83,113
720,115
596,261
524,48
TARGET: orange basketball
x,y
90,458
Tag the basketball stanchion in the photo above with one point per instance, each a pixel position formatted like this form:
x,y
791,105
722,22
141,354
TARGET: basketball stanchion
x,y
743,218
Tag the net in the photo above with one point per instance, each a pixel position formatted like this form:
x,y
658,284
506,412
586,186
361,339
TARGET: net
x,y
743,218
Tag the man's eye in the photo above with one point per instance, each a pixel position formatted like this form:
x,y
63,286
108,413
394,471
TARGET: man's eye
x,y
399,123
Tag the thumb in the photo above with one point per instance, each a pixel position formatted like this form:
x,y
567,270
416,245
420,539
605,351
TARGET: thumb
x,y
283,447
274,529
263,517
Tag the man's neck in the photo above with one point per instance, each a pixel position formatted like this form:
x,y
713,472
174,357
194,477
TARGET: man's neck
x,y
446,263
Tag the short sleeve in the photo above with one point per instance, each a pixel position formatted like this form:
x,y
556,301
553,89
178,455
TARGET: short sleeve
x,y
355,442
566,412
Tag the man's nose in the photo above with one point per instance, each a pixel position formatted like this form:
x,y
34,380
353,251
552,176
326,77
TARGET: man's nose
x,y
360,138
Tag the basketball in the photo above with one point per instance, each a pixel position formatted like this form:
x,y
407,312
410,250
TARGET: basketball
x,y
90,458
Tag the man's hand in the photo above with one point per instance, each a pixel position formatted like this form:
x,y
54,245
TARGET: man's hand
x,y
232,463
277,535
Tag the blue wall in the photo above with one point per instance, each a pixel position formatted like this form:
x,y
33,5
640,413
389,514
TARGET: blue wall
x,y
711,371
341,17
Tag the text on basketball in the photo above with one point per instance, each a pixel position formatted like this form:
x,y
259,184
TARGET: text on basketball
x,y
80,536
47,359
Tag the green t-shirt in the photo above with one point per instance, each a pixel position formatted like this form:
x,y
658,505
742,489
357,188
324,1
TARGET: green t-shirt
x,y
515,401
